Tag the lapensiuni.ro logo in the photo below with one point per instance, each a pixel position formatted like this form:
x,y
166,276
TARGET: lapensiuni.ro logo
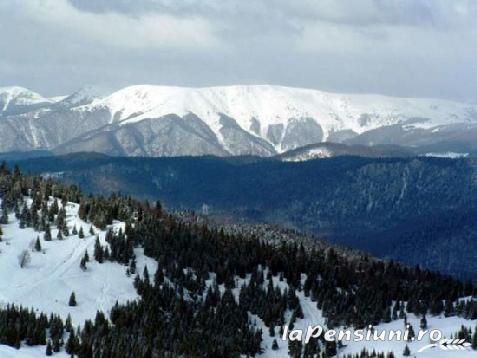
x,y
372,334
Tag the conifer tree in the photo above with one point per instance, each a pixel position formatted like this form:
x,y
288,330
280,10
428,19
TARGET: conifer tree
x,y
4,217
83,264
474,339
47,236
56,344
49,349
37,244
98,251
407,351
71,343
146,276
68,324
72,301
132,266
423,323
81,233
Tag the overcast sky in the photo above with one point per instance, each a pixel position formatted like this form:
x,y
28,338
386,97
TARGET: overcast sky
x,y
404,48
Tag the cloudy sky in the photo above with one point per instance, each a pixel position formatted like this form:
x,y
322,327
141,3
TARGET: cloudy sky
x,y
404,48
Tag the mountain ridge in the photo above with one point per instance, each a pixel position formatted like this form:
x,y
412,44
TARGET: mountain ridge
x,y
263,120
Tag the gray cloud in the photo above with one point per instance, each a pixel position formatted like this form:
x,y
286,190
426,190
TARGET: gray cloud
x,y
406,47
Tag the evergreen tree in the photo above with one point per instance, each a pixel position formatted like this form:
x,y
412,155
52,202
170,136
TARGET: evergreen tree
x,y
4,217
72,301
423,323
98,251
474,339
407,351
37,244
83,264
49,349
81,233
47,236
68,324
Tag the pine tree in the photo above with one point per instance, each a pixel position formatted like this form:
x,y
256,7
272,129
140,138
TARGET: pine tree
x,y
146,276
275,345
71,343
49,349
4,217
271,330
407,351
132,266
83,264
37,244
107,255
423,323
91,230
98,251
72,301
75,230
56,345
47,236
81,233
68,324
474,339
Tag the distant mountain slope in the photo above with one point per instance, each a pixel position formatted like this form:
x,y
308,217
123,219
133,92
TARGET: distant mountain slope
x,y
327,150
233,120
419,210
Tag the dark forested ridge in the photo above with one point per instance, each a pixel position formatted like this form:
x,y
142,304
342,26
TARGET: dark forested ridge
x,y
188,307
418,210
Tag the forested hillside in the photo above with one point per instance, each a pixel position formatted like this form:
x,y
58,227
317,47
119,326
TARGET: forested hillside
x,y
418,210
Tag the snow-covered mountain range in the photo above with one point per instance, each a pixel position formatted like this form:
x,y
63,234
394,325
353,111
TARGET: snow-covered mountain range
x,y
233,120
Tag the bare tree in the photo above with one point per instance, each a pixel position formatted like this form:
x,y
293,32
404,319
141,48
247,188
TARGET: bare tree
x,y
24,258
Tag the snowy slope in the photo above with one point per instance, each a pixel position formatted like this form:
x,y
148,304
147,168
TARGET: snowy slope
x,y
47,282
19,96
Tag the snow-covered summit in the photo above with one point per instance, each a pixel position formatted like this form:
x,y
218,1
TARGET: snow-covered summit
x,y
272,105
149,120
20,96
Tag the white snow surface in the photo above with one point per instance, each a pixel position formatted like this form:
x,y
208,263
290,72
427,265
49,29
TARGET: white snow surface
x,y
21,96
310,154
47,281
452,155
277,104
